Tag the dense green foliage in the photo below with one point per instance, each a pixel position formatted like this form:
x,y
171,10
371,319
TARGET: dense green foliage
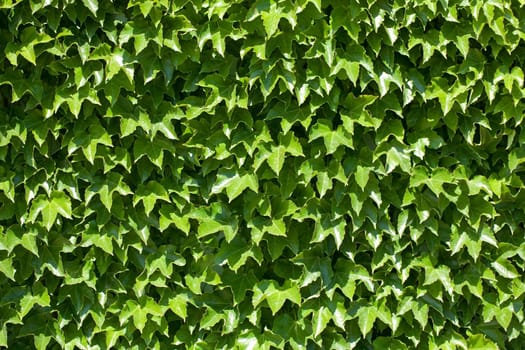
x,y
234,174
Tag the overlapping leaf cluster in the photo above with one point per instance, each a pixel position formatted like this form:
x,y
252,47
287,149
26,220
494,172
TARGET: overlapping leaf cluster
x,y
211,174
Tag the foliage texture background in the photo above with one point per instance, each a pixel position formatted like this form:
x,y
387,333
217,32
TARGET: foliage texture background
x,y
234,174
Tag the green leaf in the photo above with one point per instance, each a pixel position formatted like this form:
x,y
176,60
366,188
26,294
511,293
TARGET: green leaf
x,y
149,194
362,175
209,225
169,216
276,159
397,157
320,320
277,228
6,267
236,253
234,183
505,269
92,5
140,317
9,240
441,274
178,304
114,183
357,112
50,208
389,343
275,295
332,139
41,341
478,342
240,284
271,20
3,335
366,319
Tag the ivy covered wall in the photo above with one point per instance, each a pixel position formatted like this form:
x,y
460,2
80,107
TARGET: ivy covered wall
x,y
270,174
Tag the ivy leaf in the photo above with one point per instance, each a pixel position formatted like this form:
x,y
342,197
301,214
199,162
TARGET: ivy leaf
x,y
149,193
57,203
6,267
505,269
240,284
234,183
389,343
362,175
479,341
178,304
92,5
105,190
275,295
366,319
332,139
276,159
3,336
235,253
320,320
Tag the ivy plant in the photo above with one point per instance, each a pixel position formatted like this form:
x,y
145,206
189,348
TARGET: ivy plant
x,y
263,174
